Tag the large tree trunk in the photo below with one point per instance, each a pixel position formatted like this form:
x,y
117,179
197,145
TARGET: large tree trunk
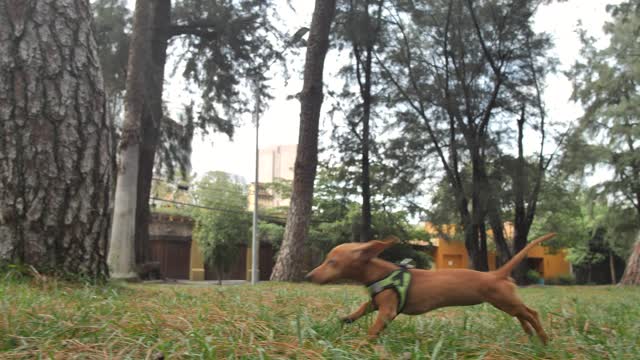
x,y
631,274
55,140
289,266
477,237
521,225
122,245
150,131
366,66
365,233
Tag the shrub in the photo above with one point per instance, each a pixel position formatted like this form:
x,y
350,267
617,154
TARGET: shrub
x,y
533,276
567,279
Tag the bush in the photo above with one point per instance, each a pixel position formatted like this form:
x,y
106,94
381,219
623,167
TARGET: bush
x,y
533,276
562,280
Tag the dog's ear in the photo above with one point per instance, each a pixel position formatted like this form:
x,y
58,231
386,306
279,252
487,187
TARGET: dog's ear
x,y
373,248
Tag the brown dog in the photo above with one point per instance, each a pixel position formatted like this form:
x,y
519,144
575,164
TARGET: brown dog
x,y
427,290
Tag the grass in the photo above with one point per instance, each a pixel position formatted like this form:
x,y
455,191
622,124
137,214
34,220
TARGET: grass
x,y
62,321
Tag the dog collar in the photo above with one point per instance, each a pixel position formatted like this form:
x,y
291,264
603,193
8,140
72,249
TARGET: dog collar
x,y
398,280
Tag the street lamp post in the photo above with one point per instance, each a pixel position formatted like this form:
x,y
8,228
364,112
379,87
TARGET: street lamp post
x,y
254,240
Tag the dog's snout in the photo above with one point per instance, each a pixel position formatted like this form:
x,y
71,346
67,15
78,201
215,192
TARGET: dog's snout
x,y
308,276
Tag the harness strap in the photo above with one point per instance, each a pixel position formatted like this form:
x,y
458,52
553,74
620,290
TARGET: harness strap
x,y
398,280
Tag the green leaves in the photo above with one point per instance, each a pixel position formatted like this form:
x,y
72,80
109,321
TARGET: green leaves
x,y
605,83
226,223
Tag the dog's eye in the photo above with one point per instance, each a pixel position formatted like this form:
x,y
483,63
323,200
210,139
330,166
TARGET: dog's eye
x,y
331,262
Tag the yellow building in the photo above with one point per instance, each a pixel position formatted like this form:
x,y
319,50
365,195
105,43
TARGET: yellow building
x,y
451,254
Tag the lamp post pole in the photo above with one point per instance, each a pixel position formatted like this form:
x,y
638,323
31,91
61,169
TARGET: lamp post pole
x,y
254,241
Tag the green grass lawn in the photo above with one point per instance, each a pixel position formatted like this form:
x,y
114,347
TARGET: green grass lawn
x,y
62,321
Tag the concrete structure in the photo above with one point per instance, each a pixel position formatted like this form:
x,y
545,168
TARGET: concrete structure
x,y
452,254
276,163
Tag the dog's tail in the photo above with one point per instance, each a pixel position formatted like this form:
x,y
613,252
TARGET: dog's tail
x,y
506,269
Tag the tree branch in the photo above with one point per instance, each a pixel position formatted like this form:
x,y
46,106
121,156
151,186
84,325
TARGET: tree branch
x,y
485,50
204,30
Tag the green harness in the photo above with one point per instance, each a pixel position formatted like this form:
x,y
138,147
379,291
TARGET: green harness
x,y
398,280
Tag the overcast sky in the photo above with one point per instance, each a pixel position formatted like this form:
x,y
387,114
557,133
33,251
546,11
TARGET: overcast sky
x,y
279,124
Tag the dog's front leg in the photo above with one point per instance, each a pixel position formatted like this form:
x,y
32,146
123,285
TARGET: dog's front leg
x,y
387,310
363,310
385,315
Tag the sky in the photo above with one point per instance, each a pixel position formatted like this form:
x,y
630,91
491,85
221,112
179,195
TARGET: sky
x,y
279,124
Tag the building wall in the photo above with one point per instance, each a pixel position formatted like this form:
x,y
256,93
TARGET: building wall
x,y
555,263
168,224
277,162
453,254
265,198
196,266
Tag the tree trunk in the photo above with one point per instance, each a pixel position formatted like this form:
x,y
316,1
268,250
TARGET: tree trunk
x,y
503,253
289,264
150,131
365,94
612,268
122,245
365,234
631,274
55,139
479,191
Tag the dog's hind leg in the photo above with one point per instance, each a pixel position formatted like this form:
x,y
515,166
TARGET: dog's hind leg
x,y
534,320
525,325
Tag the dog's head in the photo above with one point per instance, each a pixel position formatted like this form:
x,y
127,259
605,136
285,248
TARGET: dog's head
x,y
346,261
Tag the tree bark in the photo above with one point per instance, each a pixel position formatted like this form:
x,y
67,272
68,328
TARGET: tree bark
x,y
365,233
137,100
289,266
365,94
478,239
521,225
55,139
631,274
150,130
612,268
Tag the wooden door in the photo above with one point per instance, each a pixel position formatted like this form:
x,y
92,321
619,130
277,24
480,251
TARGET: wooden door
x,y
174,256
266,261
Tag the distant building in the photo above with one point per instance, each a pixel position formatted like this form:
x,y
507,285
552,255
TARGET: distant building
x,y
180,257
275,163
453,254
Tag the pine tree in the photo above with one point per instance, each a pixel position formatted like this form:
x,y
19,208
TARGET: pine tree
x,y
55,139
608,134
288,266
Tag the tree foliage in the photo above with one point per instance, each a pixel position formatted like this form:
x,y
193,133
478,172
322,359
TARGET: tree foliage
x,y
112,21
230,46
337,219
465,73
219,232
605,82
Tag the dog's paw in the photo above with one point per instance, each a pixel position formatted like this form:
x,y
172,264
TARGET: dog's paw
x,y
346,320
